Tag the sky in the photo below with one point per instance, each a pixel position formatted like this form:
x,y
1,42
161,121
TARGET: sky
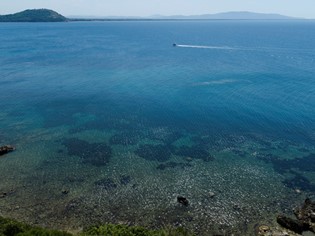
x,y
296,8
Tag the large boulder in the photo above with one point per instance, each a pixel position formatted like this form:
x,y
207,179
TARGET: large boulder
x,y
306,214
6,149
305,218
291,224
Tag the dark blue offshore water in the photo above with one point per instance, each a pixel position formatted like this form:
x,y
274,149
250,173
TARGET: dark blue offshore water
x,y
124,121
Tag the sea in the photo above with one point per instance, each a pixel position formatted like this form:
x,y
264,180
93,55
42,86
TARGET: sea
x,y
113,120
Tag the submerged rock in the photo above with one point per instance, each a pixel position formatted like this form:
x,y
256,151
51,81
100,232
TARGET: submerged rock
x,y
6,149
125,179
158,152
188,159
182,200
306,214
65,191
303,213
263,229
291,224
305,218
211,194
195,152
97,154
172,165
107,184
125,138
6,194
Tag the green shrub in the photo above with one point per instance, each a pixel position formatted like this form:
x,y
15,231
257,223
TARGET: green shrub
x,y
123,230
9,227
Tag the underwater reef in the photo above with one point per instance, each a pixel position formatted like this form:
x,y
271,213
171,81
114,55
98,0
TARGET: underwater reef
x,y
97,154
305,218
294,168
159,152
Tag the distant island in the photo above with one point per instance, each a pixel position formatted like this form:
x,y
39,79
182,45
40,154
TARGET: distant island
x,y
46,15
34,15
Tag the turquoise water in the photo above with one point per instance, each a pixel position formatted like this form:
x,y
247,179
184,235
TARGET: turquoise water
x,y
113,114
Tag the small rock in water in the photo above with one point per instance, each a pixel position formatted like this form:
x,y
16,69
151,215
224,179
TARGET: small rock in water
x,y
106,183
125,179
298,191
263,229
188,159
65,191
182,200
6,149
211,194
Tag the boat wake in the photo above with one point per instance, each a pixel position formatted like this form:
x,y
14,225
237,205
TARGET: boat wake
x,y
206,47
262,49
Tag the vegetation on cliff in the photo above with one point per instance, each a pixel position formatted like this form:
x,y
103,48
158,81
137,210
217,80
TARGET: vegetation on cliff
x,y
10,227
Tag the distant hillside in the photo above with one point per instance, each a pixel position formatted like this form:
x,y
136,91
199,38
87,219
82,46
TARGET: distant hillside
x,y
242,15
35,15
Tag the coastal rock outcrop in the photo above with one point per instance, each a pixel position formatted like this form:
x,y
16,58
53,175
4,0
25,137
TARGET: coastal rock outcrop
x,y
291,224
306,214
6,149
305,218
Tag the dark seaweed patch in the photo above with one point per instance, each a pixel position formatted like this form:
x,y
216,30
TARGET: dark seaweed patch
x,y
306,163
97,154
283,166
57,113
107,184
210,141
125,138
125,179
303,150
195,152
171,165
154,152
167,136
238,152
299,182
97,124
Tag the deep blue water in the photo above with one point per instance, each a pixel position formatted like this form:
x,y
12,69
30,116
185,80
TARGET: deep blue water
x,y
113,109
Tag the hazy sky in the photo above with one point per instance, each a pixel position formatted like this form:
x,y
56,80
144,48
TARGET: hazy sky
x,y
298,8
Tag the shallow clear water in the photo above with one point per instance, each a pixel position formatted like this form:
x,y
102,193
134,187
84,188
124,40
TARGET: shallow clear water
x,y
124,121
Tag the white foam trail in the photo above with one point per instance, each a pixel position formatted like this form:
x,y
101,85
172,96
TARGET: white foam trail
x,y
207,47
214,82
263,49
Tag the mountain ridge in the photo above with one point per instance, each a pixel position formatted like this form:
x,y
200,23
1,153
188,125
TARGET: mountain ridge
x,y
232,15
